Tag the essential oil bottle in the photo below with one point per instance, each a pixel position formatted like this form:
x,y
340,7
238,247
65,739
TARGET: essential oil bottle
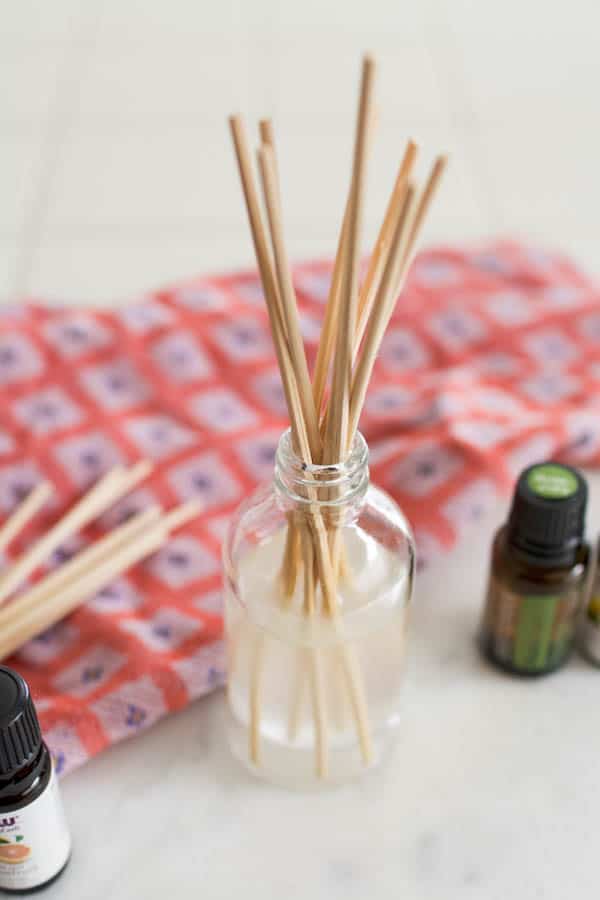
x,y
538,573
34,839
589,627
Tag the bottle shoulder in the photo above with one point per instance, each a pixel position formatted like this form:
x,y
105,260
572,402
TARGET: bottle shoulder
x,y
374,518
267,508
510,567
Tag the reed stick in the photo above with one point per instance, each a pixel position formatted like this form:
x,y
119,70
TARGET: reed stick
x,y
267,138
287,295
336,427
288,375
425,200
255,697
111,487
268,280
382,244
352,331
326,339
315,664
382,310
297,694
36,617
78,566
330,322
24,513
399,260
271,192
337,415
291,560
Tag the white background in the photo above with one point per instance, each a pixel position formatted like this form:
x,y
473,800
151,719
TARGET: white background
x,y
116,175
116,171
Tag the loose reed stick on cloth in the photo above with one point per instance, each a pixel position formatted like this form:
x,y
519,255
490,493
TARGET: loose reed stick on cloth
x,y
77,567
24,513
114,485
86,574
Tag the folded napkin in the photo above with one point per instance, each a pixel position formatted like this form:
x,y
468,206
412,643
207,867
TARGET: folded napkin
x,y
492,361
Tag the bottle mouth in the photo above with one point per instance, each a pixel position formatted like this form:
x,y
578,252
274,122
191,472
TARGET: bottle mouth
x,y
335,484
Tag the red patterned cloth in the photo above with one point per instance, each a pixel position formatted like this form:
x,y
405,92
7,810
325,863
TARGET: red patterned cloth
x,y
492,361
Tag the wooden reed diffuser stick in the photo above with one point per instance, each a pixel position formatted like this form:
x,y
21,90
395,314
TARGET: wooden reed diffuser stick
x,y
114,485
382,244
77,567
381,311
130,543
355,320
406,234
287,294
337,415
289,379
24,513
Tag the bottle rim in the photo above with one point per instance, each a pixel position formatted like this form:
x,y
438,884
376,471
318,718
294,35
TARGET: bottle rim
x,y
335,484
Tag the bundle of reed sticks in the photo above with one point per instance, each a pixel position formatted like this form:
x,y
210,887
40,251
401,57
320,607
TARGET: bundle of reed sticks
x,y
324,409
58,593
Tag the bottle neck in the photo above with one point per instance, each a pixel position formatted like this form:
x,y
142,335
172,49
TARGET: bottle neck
x,y
27,783
340,485
542,555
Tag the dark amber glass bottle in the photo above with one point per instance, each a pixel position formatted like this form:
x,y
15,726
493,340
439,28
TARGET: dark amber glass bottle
x,y
538,573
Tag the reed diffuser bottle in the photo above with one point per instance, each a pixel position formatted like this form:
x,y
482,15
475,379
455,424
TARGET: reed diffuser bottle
x,y
314,692
319,565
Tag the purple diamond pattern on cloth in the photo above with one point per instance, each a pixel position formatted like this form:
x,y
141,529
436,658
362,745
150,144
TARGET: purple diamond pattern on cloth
x,y
146,316
134,706
19,359
159,436
181,562
115,386
206,478
165,631
47,411
86,457
257,453
16,481
180,358
205,666
201,298
75,334
426,469
119,596
222,410
50,645
491,361
90,671
243,339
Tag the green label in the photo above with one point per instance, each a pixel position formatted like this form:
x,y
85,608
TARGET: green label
x,y
552,481
533,645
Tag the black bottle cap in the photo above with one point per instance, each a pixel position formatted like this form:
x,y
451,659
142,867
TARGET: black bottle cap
x,y
20,735
547,518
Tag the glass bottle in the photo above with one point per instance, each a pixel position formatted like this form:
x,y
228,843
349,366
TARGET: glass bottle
x,y
314,684
538,573
35,844
589,626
